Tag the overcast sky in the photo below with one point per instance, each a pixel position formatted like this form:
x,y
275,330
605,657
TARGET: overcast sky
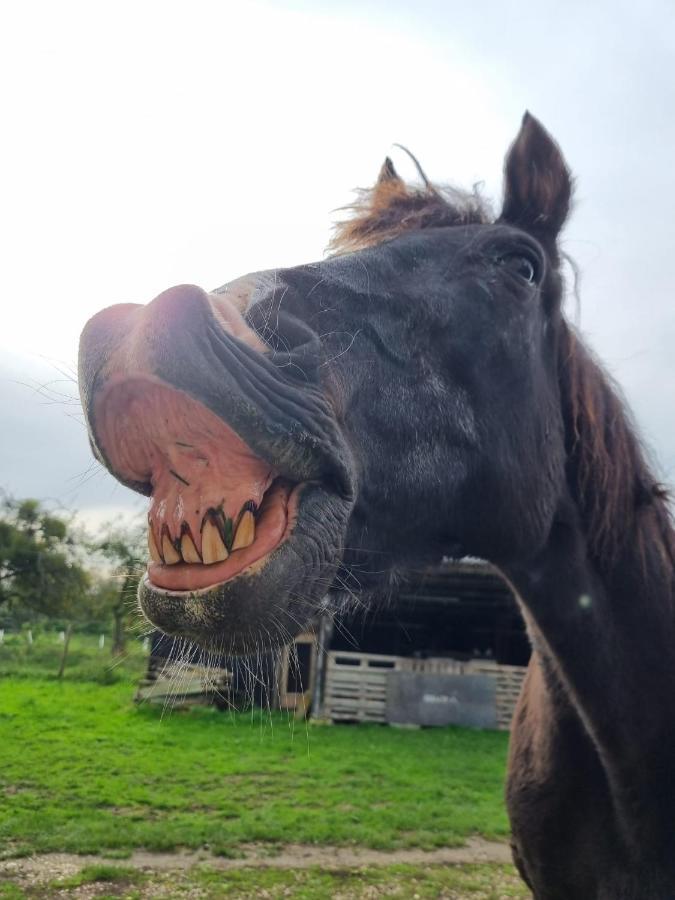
x,y
151,143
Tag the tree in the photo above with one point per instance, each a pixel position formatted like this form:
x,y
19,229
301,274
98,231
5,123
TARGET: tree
x,y
39,565
125,547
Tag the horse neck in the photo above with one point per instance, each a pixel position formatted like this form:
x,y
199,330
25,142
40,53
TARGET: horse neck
x,y
599,599
604,639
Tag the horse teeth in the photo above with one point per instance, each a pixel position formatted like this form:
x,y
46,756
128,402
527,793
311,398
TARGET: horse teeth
x,y
213,548
245,534
169,552
188,550
152,546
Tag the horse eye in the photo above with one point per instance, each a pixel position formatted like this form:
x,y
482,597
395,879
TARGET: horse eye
x,y
522,266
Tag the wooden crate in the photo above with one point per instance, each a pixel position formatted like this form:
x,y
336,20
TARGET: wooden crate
x,y
356,686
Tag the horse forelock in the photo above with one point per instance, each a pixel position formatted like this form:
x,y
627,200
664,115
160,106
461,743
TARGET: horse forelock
x,y
392,208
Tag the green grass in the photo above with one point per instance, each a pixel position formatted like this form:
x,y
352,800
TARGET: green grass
x,y
473,882
10,891
84,770
99,873
484,881
85,663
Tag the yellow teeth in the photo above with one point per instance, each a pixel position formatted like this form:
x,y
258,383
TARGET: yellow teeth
x,y
169,552
213,544
245,531
188,549
213,548
152,547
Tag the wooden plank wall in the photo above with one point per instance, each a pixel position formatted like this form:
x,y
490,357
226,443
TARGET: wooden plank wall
x,y
356,683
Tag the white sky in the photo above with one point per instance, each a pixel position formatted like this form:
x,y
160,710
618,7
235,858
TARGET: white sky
x,y
151,143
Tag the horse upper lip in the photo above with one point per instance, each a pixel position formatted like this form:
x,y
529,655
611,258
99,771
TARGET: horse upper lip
x,y
180,340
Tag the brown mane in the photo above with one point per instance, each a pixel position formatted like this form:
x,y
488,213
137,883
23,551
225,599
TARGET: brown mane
x,y
617,494
393,207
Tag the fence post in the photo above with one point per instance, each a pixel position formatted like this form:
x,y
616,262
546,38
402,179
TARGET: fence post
x,y
64,655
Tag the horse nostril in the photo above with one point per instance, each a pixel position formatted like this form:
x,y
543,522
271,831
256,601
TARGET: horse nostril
x,y
178,306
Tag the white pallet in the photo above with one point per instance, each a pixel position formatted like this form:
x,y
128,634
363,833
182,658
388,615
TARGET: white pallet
x,y
356,686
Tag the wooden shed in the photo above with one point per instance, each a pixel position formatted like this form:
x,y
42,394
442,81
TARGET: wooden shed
x,y
448,646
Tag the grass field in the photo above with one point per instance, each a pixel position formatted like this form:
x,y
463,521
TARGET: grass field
x,y
478,882
83,770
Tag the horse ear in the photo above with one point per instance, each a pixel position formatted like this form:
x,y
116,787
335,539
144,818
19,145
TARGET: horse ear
x,y
537,182
389,185
388,174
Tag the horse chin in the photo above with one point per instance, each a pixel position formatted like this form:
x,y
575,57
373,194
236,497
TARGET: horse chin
x,y
268,602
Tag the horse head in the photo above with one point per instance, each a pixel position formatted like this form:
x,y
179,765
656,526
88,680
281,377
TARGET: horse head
x,y
313,430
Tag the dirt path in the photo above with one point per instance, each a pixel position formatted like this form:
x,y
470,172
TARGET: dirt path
x,y
290,856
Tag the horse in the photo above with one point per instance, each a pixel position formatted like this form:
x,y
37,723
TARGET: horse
x,y
312,432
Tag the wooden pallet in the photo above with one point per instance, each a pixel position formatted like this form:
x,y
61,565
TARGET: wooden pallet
x,y
434,665
356,686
